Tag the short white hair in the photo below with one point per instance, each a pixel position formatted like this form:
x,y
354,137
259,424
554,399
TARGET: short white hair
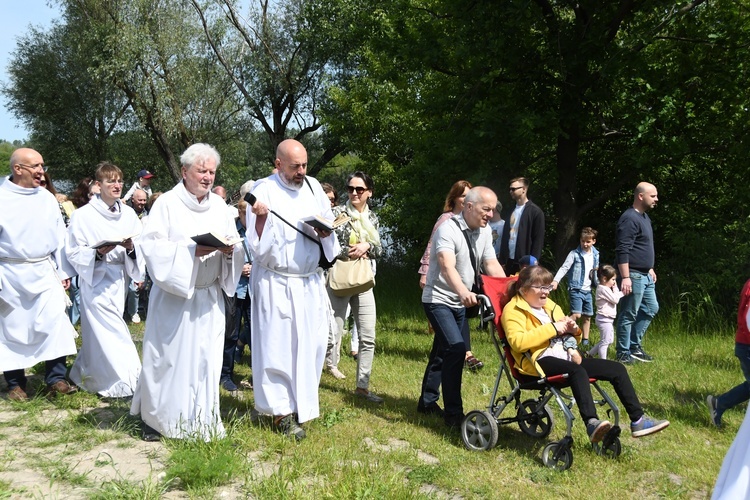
x,y
198,153
246,188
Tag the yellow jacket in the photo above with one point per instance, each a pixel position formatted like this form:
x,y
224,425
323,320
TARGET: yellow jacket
x,y
525,333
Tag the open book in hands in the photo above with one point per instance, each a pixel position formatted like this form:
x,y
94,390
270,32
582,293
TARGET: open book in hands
x,y
214,240
112,242
324,224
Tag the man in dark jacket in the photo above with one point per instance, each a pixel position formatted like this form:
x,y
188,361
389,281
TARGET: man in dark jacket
x,y
523,233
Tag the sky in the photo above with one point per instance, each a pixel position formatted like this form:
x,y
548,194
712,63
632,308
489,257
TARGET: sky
x,y
17,17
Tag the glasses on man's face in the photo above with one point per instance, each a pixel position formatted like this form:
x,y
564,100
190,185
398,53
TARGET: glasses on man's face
x,y
358,189
514,189
38,166
542,288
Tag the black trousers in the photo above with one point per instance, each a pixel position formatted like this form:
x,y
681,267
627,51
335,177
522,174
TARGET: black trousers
x,y
600,369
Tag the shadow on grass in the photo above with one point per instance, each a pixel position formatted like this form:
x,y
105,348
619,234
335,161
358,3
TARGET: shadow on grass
x,y
400,409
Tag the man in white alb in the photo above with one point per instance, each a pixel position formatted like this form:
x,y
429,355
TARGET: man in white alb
x,y
33,278
290,308
108,362
178,391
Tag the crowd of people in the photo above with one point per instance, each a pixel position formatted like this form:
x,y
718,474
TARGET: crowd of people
x,y
104,258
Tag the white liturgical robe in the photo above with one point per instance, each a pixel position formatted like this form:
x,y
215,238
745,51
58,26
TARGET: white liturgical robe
x,y
290,306
33,324
734,477
178,390
108,362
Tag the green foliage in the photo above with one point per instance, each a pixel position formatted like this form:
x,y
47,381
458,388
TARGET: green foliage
x,y
584,99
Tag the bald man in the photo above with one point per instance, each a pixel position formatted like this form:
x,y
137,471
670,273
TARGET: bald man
x,y
635,261
33,278
290,308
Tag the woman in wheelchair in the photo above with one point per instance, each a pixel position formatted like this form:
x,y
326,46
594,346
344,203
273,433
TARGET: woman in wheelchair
x,y
531,321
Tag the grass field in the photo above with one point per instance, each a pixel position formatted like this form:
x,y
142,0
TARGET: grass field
x,y
360,450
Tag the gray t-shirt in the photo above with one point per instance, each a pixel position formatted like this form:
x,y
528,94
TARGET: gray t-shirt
x,y
449,238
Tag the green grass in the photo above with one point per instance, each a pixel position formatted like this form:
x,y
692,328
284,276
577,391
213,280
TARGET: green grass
x,y
360,450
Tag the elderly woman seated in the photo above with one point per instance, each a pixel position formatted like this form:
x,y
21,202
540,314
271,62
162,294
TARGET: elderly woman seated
x,y
533,324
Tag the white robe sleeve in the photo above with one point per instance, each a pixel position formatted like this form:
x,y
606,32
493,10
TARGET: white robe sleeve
x,y
171,264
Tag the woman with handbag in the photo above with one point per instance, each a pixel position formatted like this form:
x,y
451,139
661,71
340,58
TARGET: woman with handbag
x,y
351,279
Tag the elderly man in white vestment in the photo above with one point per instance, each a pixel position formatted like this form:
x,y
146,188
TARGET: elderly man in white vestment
x,y
108,362
33,278
290,308
178,391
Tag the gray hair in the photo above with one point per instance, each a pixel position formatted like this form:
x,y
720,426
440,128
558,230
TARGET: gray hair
x,y
476,194
198,153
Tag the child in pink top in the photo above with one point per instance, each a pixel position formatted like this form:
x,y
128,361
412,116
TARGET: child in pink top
x,y
607,297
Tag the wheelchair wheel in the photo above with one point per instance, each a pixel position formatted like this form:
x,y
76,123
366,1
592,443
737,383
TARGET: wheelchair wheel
x,y
479,431
562,462
534,421
611,450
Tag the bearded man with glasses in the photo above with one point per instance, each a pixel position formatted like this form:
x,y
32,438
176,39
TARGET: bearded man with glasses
x,y
34,274
523,233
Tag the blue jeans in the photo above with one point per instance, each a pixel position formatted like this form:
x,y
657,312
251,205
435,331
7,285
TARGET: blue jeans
x,y
637,309
446,363
740,393
230,336
54,371
74,311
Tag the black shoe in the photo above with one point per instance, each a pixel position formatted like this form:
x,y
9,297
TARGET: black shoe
x,y
289,426
430,409
624,358
639,355
453,421
229,385
150,434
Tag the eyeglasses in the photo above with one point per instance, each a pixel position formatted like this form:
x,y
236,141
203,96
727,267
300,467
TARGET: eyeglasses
x,y
42,182
542,288
34,167
514,189
358,189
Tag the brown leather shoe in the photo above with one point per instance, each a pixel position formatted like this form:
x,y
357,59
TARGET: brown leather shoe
x,y
17,394
60,387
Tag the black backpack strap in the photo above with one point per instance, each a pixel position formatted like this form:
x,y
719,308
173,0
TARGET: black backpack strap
x,y
474,263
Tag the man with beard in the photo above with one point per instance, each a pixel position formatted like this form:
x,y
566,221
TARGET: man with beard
x,y
523,233
290,308
635,261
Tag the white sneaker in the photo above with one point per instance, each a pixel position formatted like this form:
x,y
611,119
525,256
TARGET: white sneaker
x,y
336,373
136,318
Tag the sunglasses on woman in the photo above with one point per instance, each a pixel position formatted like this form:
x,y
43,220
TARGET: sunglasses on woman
x,y
358,189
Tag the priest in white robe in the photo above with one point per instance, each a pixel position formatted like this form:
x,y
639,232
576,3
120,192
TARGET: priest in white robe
x,y
108,362
290,307
177,395
33,275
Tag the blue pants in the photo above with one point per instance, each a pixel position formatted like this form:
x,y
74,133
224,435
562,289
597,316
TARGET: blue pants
x,y
636,311
445,366
230,336
54,372
740,393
